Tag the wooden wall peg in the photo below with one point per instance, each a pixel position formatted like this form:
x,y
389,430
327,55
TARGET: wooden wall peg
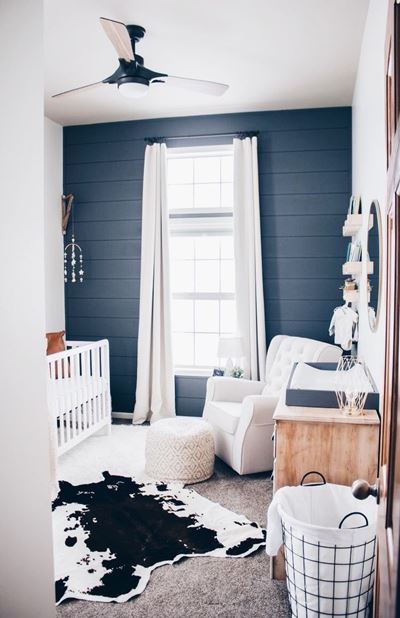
x,y
66,208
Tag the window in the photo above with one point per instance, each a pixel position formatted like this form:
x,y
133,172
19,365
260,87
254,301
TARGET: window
x,y
200,198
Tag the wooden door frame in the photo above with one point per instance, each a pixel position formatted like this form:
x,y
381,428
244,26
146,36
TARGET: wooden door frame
x,y
387,601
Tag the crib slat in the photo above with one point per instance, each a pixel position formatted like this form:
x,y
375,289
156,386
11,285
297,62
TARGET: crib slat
x,y
62,405
106,375
102,402
69,399
67,426
88,386
53,409
100,387
96,375
73,423
73,391
61,415
83,392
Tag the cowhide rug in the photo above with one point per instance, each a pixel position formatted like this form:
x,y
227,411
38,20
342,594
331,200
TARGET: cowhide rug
x,y
110,535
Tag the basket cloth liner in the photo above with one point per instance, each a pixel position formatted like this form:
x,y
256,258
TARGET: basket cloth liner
x,y
316,511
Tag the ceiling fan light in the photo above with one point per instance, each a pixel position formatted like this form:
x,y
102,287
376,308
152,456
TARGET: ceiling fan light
x,y
133,89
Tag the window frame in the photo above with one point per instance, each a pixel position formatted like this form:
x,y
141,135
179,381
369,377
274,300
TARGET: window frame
x,y
186,222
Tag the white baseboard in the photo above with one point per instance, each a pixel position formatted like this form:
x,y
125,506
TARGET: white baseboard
x,y
126,415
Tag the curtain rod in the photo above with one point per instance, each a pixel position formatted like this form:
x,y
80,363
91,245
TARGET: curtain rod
x,y
239,135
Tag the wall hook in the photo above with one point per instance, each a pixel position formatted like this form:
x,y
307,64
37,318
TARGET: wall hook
x,y
66,208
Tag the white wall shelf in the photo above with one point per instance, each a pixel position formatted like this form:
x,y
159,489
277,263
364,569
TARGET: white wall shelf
x,y
353,224
353,296
354,268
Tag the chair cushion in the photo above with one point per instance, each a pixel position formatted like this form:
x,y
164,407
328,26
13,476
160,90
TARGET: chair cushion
x,y
224,414
290,350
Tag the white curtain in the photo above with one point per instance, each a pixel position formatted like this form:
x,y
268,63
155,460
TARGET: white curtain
x,y
155,391
248,263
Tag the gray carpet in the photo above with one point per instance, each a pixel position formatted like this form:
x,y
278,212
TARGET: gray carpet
x,y
206,587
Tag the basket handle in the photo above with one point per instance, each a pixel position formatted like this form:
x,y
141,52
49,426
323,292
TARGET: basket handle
x,y
313,484
355,513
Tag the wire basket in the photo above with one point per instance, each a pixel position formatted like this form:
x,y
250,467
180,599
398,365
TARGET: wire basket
x,y
326,579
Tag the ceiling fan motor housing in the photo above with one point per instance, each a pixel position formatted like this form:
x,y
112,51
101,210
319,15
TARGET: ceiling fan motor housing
x,y
129,79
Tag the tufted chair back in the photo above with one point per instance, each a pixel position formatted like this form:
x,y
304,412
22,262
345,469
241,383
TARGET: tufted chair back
x,y
283,351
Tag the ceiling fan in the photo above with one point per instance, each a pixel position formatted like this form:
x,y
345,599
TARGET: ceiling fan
x,y
132,77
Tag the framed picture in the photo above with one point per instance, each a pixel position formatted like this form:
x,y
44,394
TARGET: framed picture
x,y
218,372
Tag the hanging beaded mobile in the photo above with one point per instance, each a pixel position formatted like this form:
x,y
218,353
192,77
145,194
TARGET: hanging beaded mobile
x,y
76,259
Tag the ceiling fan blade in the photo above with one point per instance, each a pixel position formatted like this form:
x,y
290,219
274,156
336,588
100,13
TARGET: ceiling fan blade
x,y
87,87
119,37
197,85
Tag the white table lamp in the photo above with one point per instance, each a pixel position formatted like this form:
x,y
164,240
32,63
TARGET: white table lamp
x,y
229,348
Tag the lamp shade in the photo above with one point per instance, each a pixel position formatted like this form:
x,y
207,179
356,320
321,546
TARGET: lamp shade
x,y
230,347
133,89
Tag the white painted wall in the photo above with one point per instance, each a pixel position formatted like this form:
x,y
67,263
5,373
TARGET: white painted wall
x,y
369,167
53,237
26,573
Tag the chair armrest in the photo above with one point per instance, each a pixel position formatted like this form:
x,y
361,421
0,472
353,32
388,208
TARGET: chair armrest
x,y
252,449
258,410
231,389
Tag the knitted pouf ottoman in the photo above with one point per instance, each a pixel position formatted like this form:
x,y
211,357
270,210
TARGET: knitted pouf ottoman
x,y
180,449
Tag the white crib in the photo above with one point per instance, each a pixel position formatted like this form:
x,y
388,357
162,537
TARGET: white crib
x,y
79,392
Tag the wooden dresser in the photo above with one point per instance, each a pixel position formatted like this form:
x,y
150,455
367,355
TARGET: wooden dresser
x,y
342,448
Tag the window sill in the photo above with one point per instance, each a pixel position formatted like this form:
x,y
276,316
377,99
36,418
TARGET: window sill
x,y
193,373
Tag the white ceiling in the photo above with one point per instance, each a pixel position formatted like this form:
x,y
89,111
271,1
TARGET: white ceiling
x,y
274,54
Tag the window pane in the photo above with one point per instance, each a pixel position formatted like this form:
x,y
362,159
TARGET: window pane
x,y
206,350
207,169
207,316
181,248
182,315
207,196
227,247
227,195
180,196
226,169
207,247
182,349
207,276
182,276
227,276
180,171
228,317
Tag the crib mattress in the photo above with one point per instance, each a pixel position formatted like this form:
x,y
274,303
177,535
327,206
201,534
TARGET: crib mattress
x,y
71,392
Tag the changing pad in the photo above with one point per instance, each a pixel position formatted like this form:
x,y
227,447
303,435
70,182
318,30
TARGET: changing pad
x,y
306,377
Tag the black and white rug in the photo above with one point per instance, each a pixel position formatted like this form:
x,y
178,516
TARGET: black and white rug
x,y
111,534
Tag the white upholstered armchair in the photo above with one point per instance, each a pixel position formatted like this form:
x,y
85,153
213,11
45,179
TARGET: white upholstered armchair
x,y
240,411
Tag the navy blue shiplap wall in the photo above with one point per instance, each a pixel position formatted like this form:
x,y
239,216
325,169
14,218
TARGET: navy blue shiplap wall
x,y
305,182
